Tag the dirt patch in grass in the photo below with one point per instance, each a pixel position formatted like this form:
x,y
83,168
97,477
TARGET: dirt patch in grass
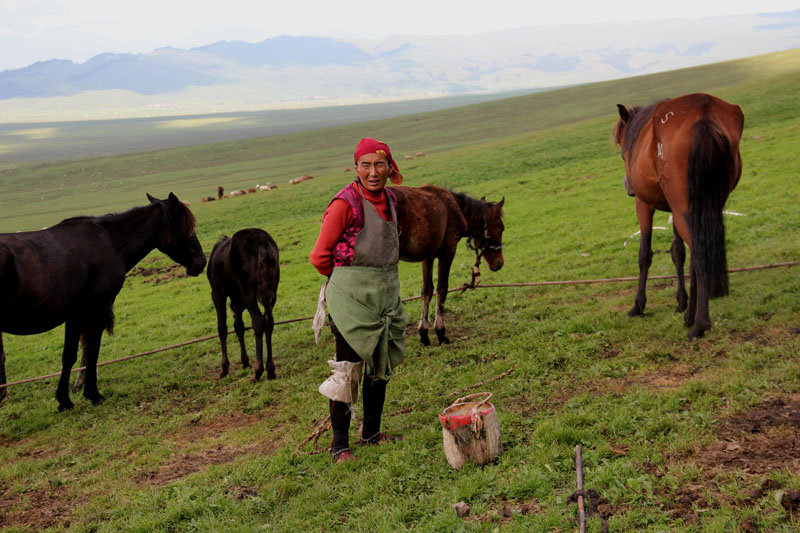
x,y
185,461
750,446
159,275
38,509
200,429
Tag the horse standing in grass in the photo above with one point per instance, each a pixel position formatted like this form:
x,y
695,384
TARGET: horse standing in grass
x,y
72,272
682,156
432,221
245,268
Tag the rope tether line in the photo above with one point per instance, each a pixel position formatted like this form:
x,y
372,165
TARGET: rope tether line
x,y
411,298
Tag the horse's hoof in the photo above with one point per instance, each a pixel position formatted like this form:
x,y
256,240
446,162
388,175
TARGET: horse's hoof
x,y
424,339
681,307
443,339
271,374
696,333
223,373
65,406
636,311
245,363
100,399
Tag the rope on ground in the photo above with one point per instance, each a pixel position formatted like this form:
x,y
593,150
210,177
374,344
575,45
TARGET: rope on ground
x,y
321,428
475,386
474,285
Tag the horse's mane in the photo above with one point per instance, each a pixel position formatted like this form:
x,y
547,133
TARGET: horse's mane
x,y
188,222
473,209
637,118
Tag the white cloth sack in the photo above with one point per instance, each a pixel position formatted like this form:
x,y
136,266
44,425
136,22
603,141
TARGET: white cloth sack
x,y
342,386
319,316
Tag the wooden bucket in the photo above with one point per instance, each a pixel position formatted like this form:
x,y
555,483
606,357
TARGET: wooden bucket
x,y
470,431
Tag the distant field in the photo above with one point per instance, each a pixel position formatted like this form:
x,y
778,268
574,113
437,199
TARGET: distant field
x,y
677,436
49,141
36,195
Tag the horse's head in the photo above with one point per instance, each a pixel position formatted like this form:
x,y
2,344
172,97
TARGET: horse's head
x,y
179,241
493,238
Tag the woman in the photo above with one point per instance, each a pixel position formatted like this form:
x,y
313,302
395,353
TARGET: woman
x,y
358,249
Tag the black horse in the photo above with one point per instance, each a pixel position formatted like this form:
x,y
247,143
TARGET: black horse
x,y
245,268
71,274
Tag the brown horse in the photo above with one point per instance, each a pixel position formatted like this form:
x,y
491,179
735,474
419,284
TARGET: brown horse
x,y
682,156
432,220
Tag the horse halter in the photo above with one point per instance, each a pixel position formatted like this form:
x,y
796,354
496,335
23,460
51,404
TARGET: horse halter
x,y
479,245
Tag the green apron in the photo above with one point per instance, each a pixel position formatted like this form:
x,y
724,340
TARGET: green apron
x,y
364,298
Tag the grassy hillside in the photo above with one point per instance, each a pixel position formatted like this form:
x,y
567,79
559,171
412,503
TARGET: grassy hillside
x,y
677,436
32,197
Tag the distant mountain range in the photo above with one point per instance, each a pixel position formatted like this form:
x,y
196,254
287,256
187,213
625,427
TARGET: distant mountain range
x,y
280,71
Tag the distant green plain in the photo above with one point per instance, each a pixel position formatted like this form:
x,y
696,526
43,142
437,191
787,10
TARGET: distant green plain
x,y
176,449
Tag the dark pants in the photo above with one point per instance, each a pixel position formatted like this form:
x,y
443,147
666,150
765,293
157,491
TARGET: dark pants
x,y
373,394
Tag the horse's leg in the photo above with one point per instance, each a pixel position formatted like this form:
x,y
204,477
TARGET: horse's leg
x,y
258,321
441,295
427,293
688,315
72,334
81,379
93,333
702,318
4,390
238,327
219,299
645,215
269,326
678,253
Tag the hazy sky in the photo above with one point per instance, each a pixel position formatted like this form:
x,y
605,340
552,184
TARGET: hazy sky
x,y
36,30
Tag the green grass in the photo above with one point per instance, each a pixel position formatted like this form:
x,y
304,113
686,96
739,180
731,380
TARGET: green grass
x,y
175,449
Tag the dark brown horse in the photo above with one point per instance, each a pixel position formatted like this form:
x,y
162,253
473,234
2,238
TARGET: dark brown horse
x,y
72,272
432,220
245,268
682,156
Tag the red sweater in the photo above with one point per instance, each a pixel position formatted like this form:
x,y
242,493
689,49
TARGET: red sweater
x,y
335,220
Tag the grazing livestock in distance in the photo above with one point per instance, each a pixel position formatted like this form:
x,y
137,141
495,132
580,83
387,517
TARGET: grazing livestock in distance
x,y
432,221
420,154
301,179
409,157
682,156
72,272
220,191
245,269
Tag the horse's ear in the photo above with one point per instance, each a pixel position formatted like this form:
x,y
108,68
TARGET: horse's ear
x,y
500,203
151,198
483,199
173,200
623,112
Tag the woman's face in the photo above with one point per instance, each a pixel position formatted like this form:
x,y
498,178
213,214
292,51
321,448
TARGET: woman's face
x,y
373,170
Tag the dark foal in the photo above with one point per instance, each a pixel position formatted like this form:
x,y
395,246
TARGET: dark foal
x,y
432,221
72,272
245,268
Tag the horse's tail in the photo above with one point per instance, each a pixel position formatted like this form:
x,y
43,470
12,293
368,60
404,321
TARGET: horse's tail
x,y
711,165
266,285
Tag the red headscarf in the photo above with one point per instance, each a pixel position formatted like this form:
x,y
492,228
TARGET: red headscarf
x,y
372,146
